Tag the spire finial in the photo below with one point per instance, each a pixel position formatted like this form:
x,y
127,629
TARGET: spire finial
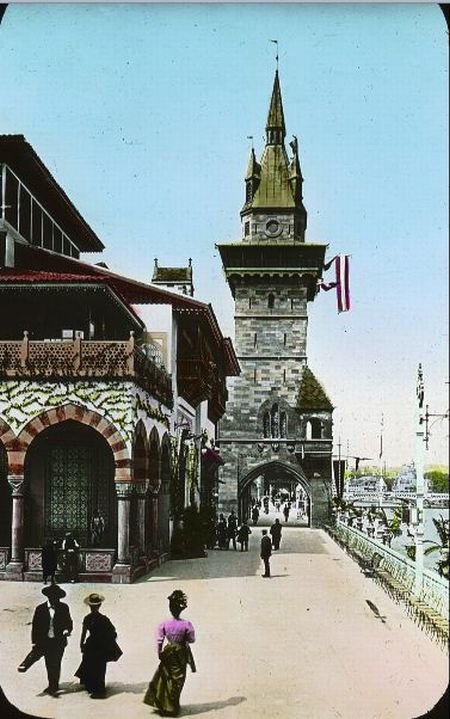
x,y
276,56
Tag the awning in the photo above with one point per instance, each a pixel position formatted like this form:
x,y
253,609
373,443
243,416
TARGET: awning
x,y
210,455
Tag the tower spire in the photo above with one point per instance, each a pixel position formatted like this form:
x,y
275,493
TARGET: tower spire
x,y
275,127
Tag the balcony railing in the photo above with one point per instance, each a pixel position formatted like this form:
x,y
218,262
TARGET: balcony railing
x,y
81,359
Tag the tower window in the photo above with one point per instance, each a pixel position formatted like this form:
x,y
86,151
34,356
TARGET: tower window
x,y
271,301
254,376
248,192
255,339
274,423
292,303
284,339
283,424
250,302
246,229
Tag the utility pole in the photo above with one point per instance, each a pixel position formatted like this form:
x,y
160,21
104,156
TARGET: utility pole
x,y
418,518
380,457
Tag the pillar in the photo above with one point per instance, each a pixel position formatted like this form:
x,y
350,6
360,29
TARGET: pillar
x,y
155,522
14,569
141,490
121,573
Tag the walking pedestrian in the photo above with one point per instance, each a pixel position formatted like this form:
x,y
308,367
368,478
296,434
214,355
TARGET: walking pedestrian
x,y
286,511
49,561
275,532
243,534
51,626
70,549
222,532
232,529
255,515
266,552
99,648
165,688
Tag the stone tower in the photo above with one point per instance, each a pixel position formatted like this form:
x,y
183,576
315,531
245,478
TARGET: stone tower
x,y
277,430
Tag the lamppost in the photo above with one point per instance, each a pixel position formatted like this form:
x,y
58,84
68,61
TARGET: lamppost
x,y
418,509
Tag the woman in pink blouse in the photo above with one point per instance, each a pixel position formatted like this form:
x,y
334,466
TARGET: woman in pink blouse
x,y
164,690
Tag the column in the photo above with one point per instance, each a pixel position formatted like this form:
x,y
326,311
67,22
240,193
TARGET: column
x,y
122,569
14,569
141,491
155,521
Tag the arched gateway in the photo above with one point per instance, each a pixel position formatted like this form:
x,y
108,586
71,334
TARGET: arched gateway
x,y
270,478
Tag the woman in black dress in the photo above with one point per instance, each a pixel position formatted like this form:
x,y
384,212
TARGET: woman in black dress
x,y
99,648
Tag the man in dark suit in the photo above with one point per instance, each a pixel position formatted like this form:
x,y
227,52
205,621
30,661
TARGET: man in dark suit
x,y
266,552
51,626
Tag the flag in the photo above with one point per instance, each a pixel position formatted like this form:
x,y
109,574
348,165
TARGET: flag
x,y
420,387
341,283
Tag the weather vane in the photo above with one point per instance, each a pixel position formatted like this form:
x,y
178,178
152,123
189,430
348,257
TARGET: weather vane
x,y
276,56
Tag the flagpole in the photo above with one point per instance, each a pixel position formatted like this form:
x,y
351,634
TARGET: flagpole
x,y
380,457
418,514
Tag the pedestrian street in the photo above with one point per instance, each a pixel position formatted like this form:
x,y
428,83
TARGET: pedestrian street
x,y
304,643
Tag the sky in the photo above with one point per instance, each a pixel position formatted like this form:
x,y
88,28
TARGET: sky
x,y
142,112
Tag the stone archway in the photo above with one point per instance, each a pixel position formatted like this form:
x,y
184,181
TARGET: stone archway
x,y
18,447
278,474
69,473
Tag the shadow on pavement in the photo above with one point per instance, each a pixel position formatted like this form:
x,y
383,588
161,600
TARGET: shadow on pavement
x,y
193,709
122,688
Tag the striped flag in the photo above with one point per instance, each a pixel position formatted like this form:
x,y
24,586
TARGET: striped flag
x,y
342,282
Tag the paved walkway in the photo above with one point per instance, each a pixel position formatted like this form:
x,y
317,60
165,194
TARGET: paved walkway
x,y
303,644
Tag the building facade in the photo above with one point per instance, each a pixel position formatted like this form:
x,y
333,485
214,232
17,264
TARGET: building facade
x,y
277,430
110,391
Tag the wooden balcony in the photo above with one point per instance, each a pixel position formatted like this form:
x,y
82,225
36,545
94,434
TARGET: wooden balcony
x,y
196,379
82,359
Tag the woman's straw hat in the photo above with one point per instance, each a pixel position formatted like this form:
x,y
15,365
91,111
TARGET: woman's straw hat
x,y
94,599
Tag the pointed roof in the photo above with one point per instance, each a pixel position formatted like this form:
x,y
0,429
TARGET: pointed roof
x,y
311,395
274,190
253,167
275,118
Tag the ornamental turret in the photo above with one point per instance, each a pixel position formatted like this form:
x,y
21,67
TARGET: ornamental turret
x,y
273,208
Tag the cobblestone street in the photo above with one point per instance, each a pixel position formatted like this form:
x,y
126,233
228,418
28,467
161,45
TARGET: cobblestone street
x,y
303,644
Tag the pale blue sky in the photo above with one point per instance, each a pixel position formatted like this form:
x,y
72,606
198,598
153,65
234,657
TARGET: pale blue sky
x,y
142,114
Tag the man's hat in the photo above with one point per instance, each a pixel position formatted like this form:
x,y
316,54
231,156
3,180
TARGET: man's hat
x,y
53,590
94,599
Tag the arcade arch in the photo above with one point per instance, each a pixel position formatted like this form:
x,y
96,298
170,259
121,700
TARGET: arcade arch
x,y
69,473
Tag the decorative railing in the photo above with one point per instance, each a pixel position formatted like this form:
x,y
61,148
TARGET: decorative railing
x,y
397,574
94,560
78,358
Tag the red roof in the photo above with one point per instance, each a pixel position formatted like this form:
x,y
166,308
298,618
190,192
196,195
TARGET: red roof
x,y
66,269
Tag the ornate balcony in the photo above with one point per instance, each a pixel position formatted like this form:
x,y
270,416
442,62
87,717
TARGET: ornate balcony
x,y
196,379
82,359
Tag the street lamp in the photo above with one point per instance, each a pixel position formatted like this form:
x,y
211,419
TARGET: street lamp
x,y
420,485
